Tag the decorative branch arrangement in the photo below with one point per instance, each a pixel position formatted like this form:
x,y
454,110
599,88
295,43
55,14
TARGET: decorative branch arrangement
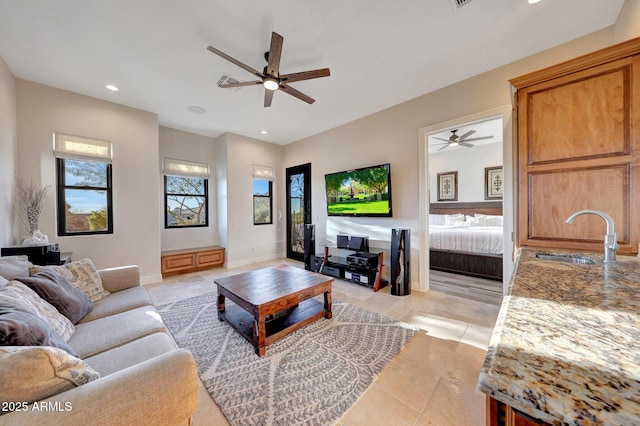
x,y
31,201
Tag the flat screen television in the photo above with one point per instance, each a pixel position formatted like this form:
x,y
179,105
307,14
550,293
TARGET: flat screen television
x,y
359,192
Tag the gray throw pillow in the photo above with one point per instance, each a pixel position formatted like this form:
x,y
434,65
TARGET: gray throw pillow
x,y
23,328
57,290
14,266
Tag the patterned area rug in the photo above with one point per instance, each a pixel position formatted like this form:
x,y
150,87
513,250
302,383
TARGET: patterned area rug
x,y
311,376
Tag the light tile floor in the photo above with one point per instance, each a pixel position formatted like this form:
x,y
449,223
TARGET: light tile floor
x,y
433,381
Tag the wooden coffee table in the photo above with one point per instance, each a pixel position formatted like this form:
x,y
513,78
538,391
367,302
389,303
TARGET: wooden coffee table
x,y
272,302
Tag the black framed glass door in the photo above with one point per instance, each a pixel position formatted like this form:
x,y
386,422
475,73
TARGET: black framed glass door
x,y
298,208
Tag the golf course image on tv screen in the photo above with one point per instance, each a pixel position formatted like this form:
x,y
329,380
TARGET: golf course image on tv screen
x,y
360,192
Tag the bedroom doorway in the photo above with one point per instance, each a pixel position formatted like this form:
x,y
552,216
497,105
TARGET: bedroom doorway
x,y
466,206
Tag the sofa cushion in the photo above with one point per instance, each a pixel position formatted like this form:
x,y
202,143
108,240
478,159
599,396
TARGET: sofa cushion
x,y
14,266
19,327
32,373
18,294
120,301
132,353
94,337
60,293
81,274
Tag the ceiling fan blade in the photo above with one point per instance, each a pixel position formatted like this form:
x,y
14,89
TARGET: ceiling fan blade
x,y
440,139
273,66
305,75
268,97
466,135
443,147
246,83
479,139
235,61
468,145
296,93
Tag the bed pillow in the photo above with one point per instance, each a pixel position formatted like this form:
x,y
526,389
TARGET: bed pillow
x,y
60,293
19,327
446,219
82,274
488,220
32,373
454,219
14,266
3,282
19,295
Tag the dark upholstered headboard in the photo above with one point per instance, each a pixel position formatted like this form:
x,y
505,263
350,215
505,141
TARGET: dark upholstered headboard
x,y
480,207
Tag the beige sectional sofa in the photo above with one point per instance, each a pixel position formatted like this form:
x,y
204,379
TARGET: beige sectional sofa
x,y
145,379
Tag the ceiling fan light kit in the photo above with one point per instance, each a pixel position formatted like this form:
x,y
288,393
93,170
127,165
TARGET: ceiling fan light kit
x,y
271,78
270,84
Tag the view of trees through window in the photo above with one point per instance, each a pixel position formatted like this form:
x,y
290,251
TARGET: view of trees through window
x,y
186,200
84,194
262,210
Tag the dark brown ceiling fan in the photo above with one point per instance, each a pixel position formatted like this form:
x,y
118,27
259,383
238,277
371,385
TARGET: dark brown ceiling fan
x,y
455,139
271,78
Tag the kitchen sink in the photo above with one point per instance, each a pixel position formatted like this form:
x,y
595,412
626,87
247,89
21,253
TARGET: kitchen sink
x,y
567,258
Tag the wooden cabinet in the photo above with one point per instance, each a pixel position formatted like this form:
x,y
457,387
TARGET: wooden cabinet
x,y
189,260
500,414
577,132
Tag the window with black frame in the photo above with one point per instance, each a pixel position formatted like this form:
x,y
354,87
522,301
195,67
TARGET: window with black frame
x,y
84,191
186,193
262,202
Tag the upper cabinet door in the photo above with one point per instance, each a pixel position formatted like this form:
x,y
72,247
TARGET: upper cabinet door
x,y
578,147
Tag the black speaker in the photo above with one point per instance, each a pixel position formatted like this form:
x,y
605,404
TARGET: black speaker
x,y
309,245
400,266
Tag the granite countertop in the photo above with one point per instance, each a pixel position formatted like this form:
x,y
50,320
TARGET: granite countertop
x,y
566,345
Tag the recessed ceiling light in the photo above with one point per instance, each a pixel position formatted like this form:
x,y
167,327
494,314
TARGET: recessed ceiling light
x,y
533,1
112,87
196,109
264,132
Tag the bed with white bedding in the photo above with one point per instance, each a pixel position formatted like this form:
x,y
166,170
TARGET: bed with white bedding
x,y
467,238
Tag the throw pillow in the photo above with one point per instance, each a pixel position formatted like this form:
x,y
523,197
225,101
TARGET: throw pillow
x,y
60,293
19,327
82,274
32,373
14,266
21,296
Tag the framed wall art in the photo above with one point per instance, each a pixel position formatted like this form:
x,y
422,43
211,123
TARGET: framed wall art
x,y
448,186
493,183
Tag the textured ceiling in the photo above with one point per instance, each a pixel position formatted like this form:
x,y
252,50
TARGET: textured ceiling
x,y
380,53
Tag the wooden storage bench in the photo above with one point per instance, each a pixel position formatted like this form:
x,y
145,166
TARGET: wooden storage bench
x,y
189,260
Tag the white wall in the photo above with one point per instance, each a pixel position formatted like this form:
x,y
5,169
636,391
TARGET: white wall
x,y
628,24
470,164
8,153
43,110
246,242
190,147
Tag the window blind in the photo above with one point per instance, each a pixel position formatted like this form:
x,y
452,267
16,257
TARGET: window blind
x,y
263,172
174,167
82,148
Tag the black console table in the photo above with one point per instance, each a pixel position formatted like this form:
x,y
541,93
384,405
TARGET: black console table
x,y
362,267
38,254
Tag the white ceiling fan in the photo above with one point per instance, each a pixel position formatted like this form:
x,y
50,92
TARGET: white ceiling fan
x,y
455,139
